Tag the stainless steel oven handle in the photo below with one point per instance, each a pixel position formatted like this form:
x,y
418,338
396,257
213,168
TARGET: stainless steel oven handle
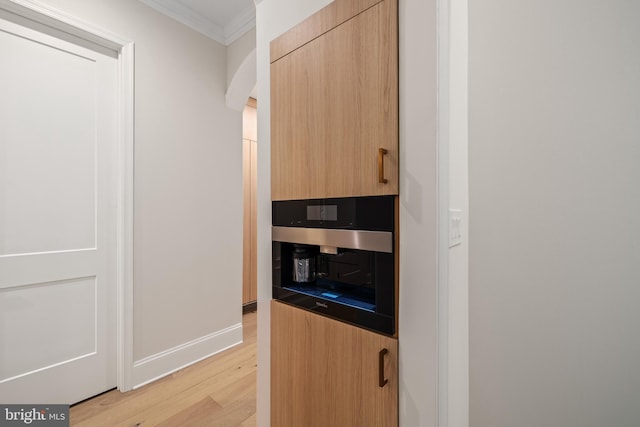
x,y
376,241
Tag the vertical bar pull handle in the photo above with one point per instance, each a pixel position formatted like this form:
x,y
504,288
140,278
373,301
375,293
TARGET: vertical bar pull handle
x,y
381,178
382,381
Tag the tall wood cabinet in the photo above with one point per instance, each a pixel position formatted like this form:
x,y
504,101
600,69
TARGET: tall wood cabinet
x,y
328,373
334,103
334,133
249,201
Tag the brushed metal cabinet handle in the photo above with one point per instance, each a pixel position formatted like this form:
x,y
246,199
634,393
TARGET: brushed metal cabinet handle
x,y
381,178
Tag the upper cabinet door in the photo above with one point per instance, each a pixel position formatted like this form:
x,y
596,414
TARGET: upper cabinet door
x,y
334,104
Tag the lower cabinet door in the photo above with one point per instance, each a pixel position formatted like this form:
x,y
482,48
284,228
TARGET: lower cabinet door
x,y
328,373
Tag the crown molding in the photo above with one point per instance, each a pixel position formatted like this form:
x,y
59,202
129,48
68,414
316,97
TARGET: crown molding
x,y
185,15
240,25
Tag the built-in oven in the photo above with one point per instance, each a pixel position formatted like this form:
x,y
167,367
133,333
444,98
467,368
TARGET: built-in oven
x,y
336,257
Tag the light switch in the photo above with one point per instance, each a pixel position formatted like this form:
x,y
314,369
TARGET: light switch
x,y
455,227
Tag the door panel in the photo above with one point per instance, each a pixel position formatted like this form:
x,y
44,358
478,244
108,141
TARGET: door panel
x,y
334,104
327,373
59,316
50,204
57,218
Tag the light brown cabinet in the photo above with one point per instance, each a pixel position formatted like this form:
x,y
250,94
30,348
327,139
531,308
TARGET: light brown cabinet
x,y
328,373
249,191
334,133
334,103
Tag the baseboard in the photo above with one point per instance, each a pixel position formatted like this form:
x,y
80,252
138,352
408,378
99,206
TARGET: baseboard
x,y
164,363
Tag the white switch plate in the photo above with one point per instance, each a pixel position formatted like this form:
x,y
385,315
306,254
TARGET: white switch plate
x,y
455,227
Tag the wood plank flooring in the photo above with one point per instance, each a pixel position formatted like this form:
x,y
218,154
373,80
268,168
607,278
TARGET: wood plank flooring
x,y
217,392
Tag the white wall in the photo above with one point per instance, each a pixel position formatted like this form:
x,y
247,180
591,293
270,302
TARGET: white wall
x,y
418,314
457,291
241,71
238,51
554,198
418,317
188,194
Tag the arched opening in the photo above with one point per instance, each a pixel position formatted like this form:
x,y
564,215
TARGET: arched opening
x,y
243,83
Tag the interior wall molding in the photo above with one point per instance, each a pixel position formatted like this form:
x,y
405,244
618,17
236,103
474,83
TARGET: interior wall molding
x,y
185,15
158,365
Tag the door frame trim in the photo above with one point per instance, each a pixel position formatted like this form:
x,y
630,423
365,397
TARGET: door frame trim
x,y
64,23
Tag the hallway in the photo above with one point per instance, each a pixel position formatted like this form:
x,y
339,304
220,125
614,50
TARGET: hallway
x,y
218,391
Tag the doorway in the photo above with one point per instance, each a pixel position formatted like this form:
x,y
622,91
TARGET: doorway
x,y
58,217
249,183
22,287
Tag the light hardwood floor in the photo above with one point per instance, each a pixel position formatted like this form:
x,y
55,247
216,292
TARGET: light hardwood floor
x,y
219,391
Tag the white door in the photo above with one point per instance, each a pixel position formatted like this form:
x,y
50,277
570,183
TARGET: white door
x,y
58,129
